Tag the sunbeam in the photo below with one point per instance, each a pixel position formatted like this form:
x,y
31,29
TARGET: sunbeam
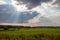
x,y
29,11
20,8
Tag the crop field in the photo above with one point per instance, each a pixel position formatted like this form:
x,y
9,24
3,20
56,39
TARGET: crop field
x,y
30,34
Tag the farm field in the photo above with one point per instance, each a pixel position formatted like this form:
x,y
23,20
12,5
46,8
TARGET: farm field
x,y
30,34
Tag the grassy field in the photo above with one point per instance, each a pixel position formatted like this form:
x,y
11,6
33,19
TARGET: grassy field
x,y
30,34
28,31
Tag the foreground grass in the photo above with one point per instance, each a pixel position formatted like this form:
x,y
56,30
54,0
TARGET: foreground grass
x,y
30,34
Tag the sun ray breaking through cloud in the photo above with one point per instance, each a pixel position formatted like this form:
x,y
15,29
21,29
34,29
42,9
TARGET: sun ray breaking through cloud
x,y
40,12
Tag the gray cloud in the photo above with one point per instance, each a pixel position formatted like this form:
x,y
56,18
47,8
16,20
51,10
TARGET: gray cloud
x,y
55,19
8,14
57,2
32,3
25,16
5,12
45,21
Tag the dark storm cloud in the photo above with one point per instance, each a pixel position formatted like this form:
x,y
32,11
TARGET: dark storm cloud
x,y
32,3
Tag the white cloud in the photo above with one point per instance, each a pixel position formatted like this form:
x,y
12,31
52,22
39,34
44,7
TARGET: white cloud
x,y
34,20
2,2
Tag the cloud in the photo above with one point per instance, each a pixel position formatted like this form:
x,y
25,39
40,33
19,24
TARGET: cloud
x,y
57,2
8,1
2,2
5,12
35,20
25,16
8,14
32,3
55,19
43,21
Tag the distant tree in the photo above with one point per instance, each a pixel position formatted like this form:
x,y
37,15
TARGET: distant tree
x,y
6,28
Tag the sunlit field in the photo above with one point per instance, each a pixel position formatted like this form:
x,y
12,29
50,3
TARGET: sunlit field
x,y
30,33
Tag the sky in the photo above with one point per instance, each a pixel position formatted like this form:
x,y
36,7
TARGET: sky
x,y
30,12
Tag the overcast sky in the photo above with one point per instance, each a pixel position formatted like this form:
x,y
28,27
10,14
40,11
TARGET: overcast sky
x,y
30,12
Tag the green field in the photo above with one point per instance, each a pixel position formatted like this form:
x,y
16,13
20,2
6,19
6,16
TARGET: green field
x,y
30,34
28,31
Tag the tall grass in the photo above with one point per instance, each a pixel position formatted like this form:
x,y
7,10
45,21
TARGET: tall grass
x,y
30,37
30,34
